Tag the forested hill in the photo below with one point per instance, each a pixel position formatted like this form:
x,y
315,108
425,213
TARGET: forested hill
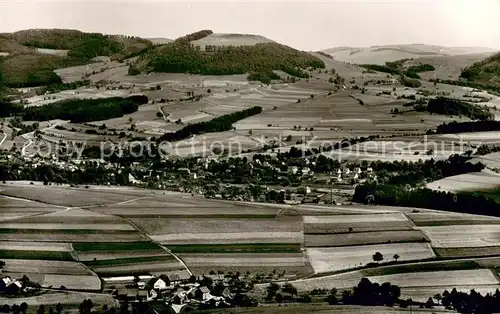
x,y
486,72
79,44
262,58
26,66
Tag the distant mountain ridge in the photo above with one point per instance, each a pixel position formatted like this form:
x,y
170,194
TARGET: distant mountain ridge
x,y
389,53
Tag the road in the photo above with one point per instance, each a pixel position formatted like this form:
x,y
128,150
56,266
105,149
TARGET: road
x,y
29,136
143,233
3,140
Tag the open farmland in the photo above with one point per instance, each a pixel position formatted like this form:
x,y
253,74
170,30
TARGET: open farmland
x,y
68,225
208,230
358,223
181,205
463,236
362,238
449,219
75,282
295,264
440,278
475,181
63,196
157,265
67,298
12,208
54,273
332,259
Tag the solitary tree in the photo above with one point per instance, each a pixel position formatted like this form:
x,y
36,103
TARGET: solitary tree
x,y
438,297
396,257
350,229
378,257
159,115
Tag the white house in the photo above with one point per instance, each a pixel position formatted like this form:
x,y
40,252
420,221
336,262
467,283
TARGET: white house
x,y
160,284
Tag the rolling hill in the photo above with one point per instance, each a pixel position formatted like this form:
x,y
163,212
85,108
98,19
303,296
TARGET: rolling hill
x,y
30,56
485,72
382,54
207,53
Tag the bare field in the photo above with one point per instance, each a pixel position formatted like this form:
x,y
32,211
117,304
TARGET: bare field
x,y
241,260
363,238
339,258
153,267
35,246
63,297
19,207
440,278
71,236
161,226
263,263
72,282
207,230
62,196
65,226
449,219
358,223
44,267
457,252
475,181
460,236
183,205
229,238
107,256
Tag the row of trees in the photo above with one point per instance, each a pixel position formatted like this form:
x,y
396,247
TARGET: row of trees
x,y
85,110
455,107
397,195
194,36
219,124
463,127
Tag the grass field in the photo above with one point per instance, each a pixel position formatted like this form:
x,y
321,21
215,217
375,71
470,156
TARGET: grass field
x,y
421,267
463,236
263,263
364,238
358,223
333,259
129,260
450,219
254,248
115,247
36,255
457,252
440,278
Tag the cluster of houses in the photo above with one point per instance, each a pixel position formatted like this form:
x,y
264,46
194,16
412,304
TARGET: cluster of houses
x,y
177,291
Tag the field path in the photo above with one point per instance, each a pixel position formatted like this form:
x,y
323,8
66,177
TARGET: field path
x,y
4,138
143,233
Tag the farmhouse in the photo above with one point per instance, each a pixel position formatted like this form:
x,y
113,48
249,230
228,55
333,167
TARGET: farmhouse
x,y
10,286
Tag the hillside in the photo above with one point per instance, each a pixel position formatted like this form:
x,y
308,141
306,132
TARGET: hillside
x,y
230,40
26,69
259,59
30,56
485,72
390,53
79,44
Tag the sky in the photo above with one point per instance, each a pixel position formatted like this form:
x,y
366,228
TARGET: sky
x,y
306,25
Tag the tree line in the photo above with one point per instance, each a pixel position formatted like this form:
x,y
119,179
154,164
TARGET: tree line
x,y
454,107
195,36
219,124
466,127
85,110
